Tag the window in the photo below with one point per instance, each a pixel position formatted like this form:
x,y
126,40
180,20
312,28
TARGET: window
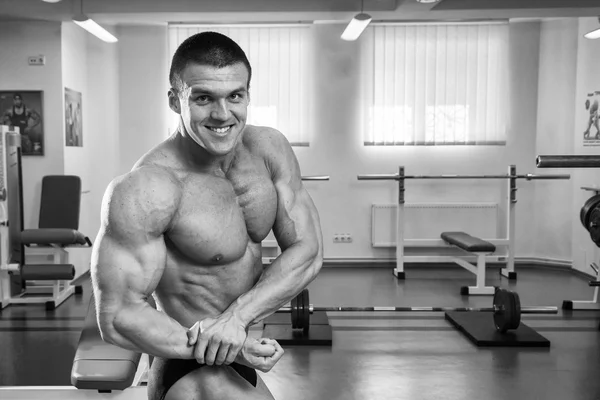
x,y
280,56
426,84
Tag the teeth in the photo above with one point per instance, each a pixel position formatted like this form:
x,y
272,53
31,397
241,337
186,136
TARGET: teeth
x,y
219,130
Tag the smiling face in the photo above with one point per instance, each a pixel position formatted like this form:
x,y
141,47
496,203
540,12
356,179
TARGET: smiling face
x,y
213,105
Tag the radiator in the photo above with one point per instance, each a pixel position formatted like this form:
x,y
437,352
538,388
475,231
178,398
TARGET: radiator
x,y
428,220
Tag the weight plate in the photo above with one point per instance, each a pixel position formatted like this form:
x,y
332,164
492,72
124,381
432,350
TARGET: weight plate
x,y
589,205
306,312
594,225
503,310
294,309
516,319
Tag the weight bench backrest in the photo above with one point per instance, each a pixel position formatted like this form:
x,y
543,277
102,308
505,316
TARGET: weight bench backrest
x,y
60,202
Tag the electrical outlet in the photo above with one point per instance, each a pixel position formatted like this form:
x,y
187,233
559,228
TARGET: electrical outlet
x,y
36,60
342,238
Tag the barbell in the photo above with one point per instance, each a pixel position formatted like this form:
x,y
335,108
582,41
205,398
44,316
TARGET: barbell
x,y
529,177
567,161
506,309
315,178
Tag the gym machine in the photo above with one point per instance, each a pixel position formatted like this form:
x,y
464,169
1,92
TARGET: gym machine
x,y
40,283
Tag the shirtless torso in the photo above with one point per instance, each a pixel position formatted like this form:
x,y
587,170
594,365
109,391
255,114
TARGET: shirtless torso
x,y
213,251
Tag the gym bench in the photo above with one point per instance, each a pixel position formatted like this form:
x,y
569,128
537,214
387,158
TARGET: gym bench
x,y
479,248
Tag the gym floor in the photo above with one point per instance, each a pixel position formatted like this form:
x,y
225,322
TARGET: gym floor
x,y
414,355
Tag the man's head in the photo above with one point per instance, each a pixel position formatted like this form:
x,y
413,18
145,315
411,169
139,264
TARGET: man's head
x,y
210,78
207,48
17,99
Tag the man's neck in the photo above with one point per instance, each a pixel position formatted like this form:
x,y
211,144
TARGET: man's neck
x,y
197,156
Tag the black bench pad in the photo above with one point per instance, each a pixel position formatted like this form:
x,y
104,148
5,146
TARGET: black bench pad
x,y
467,242
99,365
49,236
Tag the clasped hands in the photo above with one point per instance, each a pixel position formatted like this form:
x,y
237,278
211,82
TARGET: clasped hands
x,y
223,340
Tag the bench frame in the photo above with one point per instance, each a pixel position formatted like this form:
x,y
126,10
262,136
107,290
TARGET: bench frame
x,y
479,271
507,243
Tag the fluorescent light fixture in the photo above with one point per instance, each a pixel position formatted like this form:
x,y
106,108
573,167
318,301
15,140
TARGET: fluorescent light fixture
x,y
92,27
593,34
356,26
51,1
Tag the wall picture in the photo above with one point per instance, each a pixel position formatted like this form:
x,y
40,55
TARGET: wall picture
x,y
73,119
591,134
23,109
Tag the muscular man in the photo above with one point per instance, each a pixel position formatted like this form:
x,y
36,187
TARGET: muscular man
x,y
20,115
185,226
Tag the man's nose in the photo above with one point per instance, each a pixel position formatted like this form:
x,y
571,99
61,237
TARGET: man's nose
x,y
220,111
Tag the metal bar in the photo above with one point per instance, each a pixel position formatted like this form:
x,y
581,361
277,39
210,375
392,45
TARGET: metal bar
x,y
529,177
316,178
551,161
374,177
524,310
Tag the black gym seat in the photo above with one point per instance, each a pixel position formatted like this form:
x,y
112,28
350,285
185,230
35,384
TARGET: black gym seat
x,y
59,214
468,243
58,228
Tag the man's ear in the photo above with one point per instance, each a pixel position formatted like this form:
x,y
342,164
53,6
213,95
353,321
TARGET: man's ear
x,y
174,102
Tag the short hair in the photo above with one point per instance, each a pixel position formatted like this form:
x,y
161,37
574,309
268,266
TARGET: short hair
x,y
17,94
206,48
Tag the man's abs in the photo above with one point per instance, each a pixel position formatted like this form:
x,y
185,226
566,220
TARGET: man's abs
x,y
190,292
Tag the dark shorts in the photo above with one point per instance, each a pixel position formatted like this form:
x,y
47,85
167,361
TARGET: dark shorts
x,y
165,372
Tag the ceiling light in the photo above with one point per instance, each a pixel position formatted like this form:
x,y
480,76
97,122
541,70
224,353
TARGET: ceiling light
x,y
356,26
51,1
595,34
92,27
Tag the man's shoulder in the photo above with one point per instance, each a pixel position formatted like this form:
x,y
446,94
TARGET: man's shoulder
x,y
146,186
264,139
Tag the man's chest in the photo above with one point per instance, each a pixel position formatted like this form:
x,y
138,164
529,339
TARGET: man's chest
x,y
219,215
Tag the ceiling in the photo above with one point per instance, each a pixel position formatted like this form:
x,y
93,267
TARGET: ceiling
x,y
164,11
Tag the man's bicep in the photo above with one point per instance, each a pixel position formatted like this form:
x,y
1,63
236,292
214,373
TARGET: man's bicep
x,y
297,218
126,273
129,255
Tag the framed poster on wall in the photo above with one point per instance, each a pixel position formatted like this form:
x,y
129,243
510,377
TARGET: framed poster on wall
x,y
591,134
23,109
73,118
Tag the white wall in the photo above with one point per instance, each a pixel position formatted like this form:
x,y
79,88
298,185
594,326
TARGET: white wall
x,y
102,117
18,40
588,80
77,160
143,77
556,95
90,67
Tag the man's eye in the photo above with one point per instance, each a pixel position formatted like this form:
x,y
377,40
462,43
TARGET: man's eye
x,y
203,99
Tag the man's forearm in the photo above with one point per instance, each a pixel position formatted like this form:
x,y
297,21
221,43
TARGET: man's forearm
x,y
145,330
293,270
